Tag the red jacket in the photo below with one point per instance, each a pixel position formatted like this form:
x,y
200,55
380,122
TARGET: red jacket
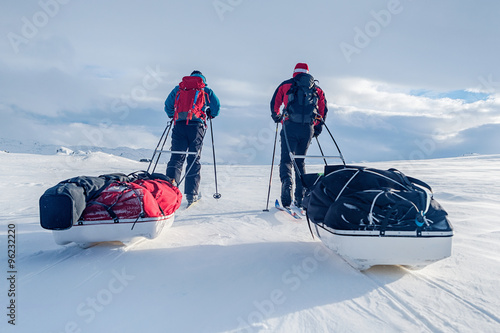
x,y
280,97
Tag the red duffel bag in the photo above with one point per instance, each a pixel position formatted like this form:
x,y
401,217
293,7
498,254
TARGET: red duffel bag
x,y
131,201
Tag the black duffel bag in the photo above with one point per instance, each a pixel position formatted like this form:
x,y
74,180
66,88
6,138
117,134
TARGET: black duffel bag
x,y
62,205
360,198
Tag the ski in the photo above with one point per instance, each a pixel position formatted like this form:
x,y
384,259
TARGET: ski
x,y
287,210
298,210
193,203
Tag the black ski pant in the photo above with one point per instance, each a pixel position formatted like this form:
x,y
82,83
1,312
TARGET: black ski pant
x,y
295,138
187,138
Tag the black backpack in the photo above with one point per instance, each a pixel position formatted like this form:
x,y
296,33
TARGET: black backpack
x,y
302,99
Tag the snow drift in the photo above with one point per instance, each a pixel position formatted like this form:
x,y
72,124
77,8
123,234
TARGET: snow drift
x,y
227,266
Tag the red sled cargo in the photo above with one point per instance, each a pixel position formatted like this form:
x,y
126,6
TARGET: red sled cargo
x,y
87,210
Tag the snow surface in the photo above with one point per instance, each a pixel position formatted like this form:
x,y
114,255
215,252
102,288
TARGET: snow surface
x,y
227,266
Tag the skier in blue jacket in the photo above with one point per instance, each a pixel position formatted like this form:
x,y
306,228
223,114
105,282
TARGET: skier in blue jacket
x,y
188,136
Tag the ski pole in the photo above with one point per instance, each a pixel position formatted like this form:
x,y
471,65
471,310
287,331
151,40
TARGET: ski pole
x,y
217,195
272,166
321,150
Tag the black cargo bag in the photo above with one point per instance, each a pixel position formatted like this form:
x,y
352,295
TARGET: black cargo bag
x,y
62,205
360,198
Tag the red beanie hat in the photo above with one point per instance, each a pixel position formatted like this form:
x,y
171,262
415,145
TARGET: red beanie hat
x,y
301,67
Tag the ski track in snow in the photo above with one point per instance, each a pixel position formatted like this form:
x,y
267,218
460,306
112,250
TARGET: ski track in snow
x,y
400,304
73,251
409,302
440,284
222,260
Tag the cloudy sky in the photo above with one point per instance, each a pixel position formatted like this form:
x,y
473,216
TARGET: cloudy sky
x,y
407,79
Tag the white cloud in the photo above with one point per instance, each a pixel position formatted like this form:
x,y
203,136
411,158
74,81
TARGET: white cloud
x,y
89,62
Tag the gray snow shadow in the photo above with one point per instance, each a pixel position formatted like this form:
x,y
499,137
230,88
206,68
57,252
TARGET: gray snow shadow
x,y
205,288
200,216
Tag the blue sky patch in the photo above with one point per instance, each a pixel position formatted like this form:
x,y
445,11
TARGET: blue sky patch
x,y
465,95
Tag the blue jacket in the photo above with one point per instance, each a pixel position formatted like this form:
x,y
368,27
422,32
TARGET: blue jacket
x,y
212,102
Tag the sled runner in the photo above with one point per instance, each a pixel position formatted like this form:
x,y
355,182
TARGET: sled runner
x,y
109,208
377,217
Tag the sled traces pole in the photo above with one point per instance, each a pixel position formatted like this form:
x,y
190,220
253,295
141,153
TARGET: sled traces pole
x,y
166,130
321,150
335,142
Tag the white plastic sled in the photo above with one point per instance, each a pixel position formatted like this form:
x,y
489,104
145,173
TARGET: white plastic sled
x,y
364,249
124,231
378,217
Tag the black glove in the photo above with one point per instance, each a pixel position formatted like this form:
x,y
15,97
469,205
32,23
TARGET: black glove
x,y
277,117
317,129
208,112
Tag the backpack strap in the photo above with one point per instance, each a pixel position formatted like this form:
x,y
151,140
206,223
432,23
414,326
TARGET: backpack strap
x,y
176,109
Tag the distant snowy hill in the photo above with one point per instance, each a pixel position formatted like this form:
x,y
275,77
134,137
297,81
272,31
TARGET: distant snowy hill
x,y
33,147
227,266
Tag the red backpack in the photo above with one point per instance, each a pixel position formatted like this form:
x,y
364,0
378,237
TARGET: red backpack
x,y
190,99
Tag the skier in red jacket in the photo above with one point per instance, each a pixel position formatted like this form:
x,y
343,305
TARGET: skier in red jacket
x,y
297,103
